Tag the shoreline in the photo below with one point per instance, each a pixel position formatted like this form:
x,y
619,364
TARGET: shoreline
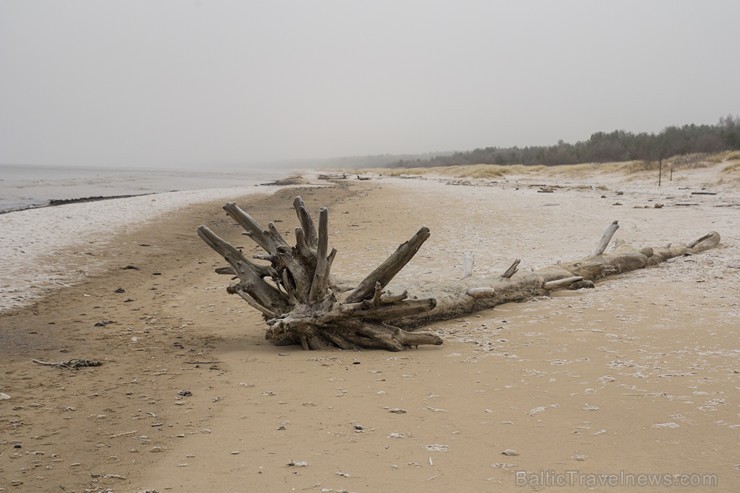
x,y
636,375
36,253
98,198
23,187
80,200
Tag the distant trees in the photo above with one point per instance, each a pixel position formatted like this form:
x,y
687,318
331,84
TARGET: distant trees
x,y
618,145
730,131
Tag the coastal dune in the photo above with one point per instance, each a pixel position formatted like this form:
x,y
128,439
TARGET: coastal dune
x,y
637,376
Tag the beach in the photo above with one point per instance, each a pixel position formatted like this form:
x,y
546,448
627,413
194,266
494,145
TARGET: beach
x,y
635,380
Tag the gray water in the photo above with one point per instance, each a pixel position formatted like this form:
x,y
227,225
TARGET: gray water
x,y
26,186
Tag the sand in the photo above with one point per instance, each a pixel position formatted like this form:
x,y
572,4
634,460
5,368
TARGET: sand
x,y
636,377
69,240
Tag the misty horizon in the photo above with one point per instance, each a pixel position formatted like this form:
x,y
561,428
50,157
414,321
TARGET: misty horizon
x,y
241,84
370,160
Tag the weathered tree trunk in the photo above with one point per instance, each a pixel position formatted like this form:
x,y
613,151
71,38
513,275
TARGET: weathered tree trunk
x,y
302,304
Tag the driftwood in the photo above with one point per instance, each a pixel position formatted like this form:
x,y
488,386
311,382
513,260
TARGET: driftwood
x,y
72,364
303,305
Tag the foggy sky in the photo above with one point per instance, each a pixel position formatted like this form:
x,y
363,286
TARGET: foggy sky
x,y
203,83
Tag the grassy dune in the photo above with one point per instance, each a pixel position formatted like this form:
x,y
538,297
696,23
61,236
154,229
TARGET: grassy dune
x,y
727,162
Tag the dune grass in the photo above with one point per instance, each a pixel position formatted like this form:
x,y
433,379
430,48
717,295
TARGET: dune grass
x,y
632,170
468,171
732,167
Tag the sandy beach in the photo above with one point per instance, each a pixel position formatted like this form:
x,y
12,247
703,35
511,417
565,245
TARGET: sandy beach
x,y
635,380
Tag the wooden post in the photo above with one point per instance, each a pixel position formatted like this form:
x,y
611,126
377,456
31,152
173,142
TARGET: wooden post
x,y
660,170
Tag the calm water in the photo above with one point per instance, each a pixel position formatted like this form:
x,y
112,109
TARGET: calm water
x,y
22,187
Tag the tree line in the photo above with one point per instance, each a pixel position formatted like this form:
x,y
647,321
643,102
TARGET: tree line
x,y
618,145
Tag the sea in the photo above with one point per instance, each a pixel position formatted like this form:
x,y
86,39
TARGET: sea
x,y
29,186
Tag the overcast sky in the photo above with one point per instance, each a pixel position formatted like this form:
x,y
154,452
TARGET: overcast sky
x,y
205,82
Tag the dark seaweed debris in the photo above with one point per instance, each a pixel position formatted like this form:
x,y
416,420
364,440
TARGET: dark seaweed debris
x,y
96,198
